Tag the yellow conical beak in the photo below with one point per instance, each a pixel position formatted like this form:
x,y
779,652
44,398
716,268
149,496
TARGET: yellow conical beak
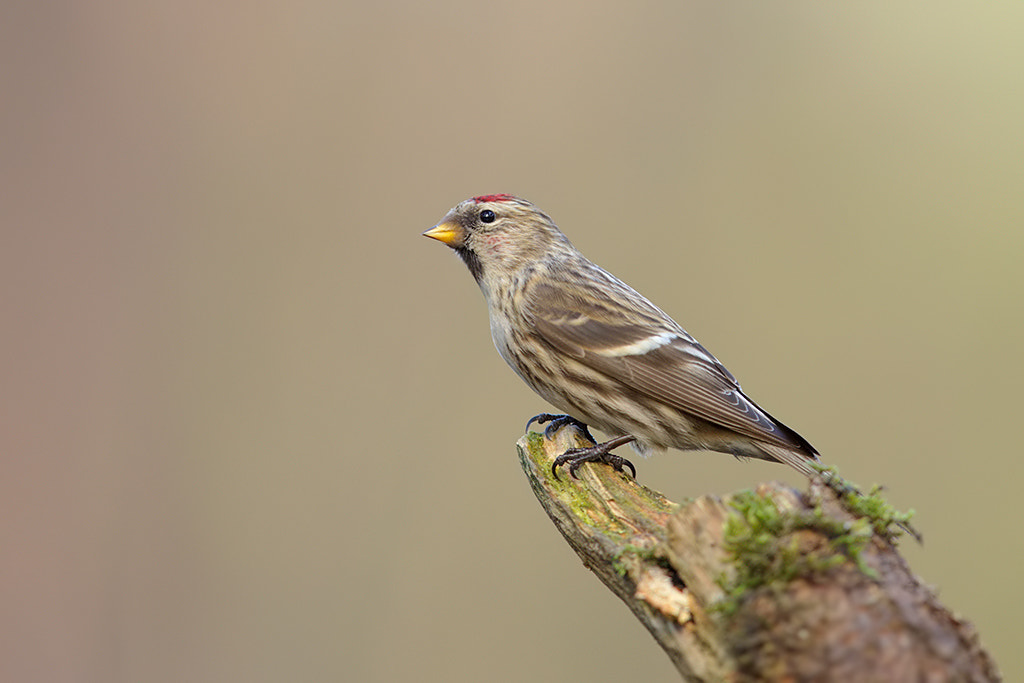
x,y
448,232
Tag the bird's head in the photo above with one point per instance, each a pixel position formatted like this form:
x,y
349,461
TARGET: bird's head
x,y
497,235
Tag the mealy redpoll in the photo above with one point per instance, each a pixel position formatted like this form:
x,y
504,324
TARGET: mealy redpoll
x,y
595,348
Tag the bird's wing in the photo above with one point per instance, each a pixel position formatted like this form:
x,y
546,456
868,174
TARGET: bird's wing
x,y
627,338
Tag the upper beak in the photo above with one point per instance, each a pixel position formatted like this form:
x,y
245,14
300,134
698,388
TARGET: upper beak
x,y
448,232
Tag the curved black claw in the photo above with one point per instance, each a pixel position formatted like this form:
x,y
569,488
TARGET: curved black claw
x,y
599,453
557,422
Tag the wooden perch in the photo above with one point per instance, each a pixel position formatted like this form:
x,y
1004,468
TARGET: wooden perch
x,y
769,585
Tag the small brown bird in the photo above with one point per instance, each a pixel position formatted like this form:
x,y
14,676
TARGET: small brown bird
x,y
595,348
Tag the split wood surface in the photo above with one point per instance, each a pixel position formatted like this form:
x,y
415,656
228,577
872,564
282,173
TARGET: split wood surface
x,y
863,618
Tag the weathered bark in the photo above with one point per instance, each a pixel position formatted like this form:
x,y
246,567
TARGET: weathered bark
x,y
766,585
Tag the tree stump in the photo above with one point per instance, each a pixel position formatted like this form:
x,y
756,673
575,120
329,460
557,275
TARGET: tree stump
x,y
764,585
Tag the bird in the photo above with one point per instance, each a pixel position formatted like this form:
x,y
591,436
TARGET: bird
x,y
601,352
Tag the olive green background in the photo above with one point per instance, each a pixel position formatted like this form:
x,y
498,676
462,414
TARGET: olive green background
x,y
252,424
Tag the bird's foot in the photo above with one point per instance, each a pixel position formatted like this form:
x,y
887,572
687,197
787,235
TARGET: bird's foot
x,y
598,453
556,422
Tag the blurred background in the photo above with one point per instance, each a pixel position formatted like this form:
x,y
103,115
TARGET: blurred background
x,y
253,426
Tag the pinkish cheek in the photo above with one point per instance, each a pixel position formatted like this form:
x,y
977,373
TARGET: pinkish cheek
x,y
495,244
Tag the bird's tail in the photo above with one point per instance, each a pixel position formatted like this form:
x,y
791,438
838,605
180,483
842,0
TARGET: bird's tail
x,y
801,462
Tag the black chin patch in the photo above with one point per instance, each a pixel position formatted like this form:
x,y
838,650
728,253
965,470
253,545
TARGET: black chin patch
x,y
472,262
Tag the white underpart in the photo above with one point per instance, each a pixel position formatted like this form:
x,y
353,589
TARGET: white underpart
x,y
637,348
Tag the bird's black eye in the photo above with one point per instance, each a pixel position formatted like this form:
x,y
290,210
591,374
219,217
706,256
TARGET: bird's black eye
x,y
487,216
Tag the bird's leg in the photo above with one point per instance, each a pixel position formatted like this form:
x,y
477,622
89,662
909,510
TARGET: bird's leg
x,y
597,453
557,422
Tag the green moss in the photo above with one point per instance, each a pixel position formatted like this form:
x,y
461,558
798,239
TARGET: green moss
x,y
763,543
887,521
590,510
